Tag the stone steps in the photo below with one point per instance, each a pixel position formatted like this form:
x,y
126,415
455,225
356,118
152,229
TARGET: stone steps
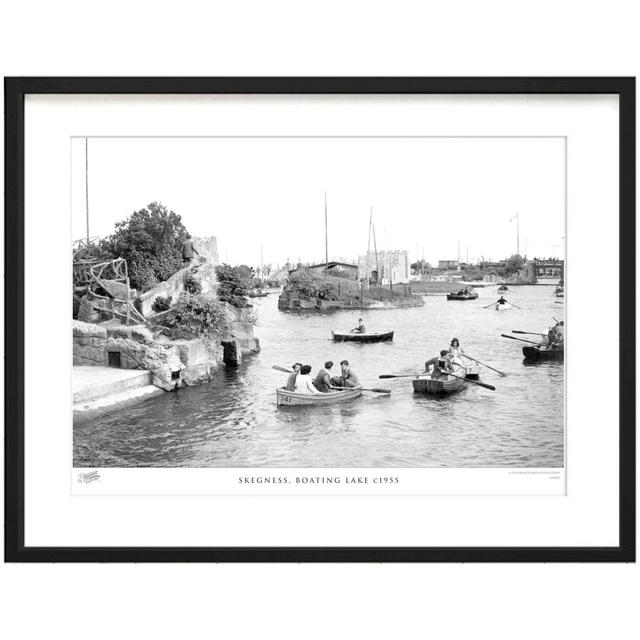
x,y
112,401
93,383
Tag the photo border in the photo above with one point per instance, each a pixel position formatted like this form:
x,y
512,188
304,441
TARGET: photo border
x,y
15,91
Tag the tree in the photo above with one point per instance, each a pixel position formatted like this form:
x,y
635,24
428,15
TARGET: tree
x,y
420,266
150,240
234,284
514,263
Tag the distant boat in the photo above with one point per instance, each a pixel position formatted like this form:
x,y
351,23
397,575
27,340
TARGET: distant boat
x,y
465,295
559,292
291,398
349,336
537,354
258,294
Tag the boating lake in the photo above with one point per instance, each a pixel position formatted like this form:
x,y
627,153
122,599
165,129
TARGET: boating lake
x,y
234,421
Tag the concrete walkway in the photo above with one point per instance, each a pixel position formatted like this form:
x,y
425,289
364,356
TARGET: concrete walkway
x,y
100,388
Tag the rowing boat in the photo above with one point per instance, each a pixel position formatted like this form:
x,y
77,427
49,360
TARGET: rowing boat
x,y
505,306
361,337
470,295
536,354
439,386
291,398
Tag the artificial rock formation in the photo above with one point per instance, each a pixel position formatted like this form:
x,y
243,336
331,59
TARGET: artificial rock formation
x,y
89,344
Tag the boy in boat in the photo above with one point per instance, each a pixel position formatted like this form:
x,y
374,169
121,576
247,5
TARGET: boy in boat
x,y
501,300
360,328
304,384
441,365
323,379
291,380
349,377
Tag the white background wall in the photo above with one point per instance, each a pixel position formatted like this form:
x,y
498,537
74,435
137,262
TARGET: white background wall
x,y
323,38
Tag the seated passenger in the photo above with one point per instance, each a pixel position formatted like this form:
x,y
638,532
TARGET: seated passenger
x,y
291,380
304,384
323,379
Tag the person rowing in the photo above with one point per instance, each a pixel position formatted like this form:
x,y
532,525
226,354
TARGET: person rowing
x,y
441,364
500,302
349,377
360,328
555,336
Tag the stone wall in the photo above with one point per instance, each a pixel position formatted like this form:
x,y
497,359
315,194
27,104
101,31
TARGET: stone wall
x,y
89,344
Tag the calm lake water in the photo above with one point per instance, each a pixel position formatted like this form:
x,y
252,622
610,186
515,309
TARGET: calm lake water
x,y
234,420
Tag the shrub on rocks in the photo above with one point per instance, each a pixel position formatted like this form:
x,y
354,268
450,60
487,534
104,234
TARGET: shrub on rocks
x,y
195,316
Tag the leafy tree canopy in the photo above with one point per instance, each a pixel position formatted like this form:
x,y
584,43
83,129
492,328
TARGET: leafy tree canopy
x,y
150,240
514,263
234,284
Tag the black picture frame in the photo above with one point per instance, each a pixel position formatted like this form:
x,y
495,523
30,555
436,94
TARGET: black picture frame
x,y
15,91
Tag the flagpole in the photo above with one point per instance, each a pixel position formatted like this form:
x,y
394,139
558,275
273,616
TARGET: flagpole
x,y
86,181
326,234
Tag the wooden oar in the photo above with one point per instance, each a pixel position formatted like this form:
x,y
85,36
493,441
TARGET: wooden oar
x,y
493,304
376,390
530,333
513,305
504,375
283,369
480,384
504,335
403,375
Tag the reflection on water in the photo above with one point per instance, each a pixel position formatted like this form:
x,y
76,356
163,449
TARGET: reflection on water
x,y
234,421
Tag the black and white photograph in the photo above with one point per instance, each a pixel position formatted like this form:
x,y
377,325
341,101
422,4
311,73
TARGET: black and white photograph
x,y
319,301
363,315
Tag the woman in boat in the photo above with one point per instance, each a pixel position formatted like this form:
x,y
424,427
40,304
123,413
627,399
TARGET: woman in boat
x,y
360,328
291,380
455,352
304,384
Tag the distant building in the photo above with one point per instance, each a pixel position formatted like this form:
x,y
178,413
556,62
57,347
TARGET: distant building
x,y
393,266
549,268
340,269
448,264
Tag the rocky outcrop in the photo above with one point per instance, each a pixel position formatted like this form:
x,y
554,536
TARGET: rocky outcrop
x,y
199,358
202,272
291,299
89,344
240,341
163,360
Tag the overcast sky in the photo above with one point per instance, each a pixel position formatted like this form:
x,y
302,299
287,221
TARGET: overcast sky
x,y
427,194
